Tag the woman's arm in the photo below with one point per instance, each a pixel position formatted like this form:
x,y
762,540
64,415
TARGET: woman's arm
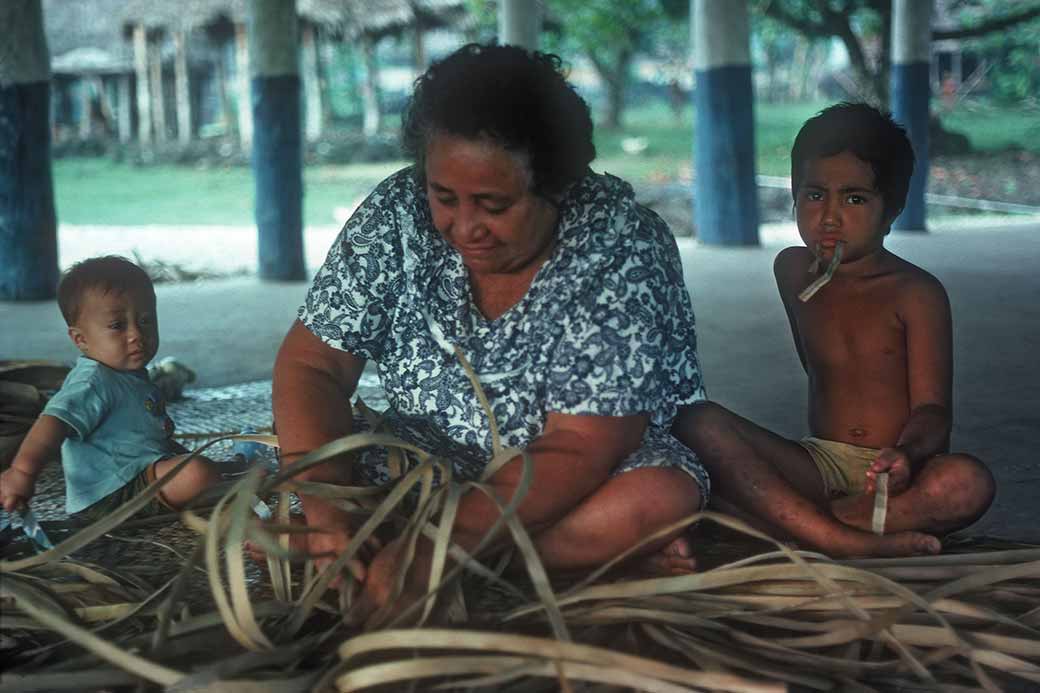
x,y
41,445
571,459
313,384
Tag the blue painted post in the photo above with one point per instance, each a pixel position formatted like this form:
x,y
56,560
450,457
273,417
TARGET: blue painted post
x,y
725,193
519,23
277,138
911,91
28,223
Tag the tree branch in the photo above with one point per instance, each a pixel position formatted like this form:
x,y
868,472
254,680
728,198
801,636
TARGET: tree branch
x,y
804,26
988,26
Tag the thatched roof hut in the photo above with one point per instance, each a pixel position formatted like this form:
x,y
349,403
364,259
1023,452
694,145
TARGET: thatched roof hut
x,y
352,17
84,37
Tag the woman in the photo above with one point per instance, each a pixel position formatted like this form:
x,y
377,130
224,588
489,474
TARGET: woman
x,y
564,294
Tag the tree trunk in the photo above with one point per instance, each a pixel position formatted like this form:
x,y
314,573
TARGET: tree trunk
x,y
615,80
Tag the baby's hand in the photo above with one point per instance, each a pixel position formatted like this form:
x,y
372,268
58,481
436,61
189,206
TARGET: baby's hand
x,y
16,488
897,464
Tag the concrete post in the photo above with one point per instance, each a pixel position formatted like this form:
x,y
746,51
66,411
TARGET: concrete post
x,y
124,109
725,189
520,23
86,104
911,91
310,73
144,101
370,87
157,91
277,146
28,224
242,97
181,77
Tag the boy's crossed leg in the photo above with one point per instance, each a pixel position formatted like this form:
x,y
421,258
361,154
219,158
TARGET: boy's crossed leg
x,y
774,479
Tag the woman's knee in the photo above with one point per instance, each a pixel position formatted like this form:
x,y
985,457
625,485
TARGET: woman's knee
x,y
671,495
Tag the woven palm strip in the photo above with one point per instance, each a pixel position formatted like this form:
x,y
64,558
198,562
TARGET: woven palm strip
x,y
762,623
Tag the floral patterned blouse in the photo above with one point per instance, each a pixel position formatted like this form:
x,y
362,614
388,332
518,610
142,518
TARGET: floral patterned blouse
x,y
606,327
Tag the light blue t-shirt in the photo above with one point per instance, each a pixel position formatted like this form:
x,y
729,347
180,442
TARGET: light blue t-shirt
x,y
119,424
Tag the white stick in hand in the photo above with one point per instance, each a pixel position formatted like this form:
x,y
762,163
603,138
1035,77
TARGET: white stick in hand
x,y
880,504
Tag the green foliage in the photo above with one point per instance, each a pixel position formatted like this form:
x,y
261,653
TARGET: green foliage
x,y
1013,55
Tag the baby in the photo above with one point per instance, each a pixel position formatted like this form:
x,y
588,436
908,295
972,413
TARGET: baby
x,y
108,419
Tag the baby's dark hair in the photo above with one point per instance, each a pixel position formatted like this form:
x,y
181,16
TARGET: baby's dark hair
x,y
517,98
869,134
107,273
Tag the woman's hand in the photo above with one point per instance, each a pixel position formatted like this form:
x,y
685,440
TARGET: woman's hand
x,y
377,591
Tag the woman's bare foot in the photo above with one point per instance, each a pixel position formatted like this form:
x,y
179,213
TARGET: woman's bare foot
x,y
676,558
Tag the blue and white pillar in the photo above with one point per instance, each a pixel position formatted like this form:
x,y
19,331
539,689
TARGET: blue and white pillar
x,y
520,23
28,223
725,192
911,92
277,138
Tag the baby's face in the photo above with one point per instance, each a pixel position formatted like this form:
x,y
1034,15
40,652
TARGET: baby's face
x,y
118,329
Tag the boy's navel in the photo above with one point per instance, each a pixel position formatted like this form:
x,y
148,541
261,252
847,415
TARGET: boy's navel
x,y
858,432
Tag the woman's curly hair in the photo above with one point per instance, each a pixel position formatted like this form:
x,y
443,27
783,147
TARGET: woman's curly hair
x,y
517,98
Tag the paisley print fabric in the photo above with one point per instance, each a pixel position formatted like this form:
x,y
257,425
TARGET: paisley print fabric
x,y
606,327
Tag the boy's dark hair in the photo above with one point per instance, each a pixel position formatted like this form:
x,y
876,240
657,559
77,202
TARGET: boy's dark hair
x,y
107,273
869,134
519,99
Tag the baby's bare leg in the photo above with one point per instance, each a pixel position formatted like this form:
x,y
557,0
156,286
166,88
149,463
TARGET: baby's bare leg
x,y
774,478
949,493
195,477
619,514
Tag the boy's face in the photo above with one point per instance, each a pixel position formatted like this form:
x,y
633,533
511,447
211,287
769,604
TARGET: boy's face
x,y
838,202
118,329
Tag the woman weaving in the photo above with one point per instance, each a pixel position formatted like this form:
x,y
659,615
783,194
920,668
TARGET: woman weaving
x,y
564,294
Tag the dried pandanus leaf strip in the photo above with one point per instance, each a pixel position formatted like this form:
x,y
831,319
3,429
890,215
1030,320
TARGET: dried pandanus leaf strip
x,y
880,504
809,291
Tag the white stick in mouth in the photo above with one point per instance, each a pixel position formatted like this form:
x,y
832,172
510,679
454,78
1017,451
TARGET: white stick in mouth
x,y
820,281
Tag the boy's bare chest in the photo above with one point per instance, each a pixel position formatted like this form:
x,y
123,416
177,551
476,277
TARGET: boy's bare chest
x,y
851,329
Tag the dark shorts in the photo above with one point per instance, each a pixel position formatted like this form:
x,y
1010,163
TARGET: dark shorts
x,y
120,497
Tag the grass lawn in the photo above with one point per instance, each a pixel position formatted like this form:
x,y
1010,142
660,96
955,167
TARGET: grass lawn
x,y
100,191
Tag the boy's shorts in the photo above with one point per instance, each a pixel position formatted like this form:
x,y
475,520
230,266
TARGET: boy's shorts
x,y
120,497
842,466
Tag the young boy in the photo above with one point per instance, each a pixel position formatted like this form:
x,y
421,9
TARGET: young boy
x,y
875,341
108,420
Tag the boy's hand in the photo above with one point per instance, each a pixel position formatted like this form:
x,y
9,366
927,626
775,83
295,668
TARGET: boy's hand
x,y
897,464
16,488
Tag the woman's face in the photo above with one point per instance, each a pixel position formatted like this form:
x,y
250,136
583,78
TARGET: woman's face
x,y
482,204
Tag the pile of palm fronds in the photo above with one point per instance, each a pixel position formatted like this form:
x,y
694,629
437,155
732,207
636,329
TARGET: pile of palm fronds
x,y
24,388
782,618
956,622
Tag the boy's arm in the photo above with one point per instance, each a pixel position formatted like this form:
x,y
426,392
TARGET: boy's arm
x,y
41,445
929,344
785,270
